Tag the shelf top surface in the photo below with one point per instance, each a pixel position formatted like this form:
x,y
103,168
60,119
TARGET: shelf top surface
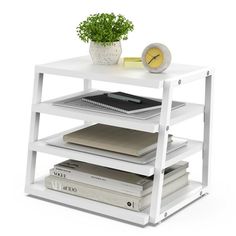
x,y
84,68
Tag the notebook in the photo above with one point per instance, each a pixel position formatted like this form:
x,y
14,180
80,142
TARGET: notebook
x,y
115,139
76,102
123,102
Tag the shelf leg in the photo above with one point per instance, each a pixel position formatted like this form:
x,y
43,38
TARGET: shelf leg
x,y
155,208
87,86
207,132
34,130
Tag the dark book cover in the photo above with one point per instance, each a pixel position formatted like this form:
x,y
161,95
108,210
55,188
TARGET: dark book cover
x,y
123,106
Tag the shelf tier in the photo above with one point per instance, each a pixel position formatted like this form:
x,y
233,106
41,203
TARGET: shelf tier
x,y
170,204
149,125
143,169
82,67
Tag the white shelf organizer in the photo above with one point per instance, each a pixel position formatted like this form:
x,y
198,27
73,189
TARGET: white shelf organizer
x,y
175,76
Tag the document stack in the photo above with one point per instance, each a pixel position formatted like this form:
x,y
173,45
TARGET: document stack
x,y
110,186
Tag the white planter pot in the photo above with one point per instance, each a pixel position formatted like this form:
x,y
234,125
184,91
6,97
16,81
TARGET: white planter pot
x,y
105,55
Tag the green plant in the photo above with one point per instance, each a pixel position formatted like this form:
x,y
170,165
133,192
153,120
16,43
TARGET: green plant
x,y
104,28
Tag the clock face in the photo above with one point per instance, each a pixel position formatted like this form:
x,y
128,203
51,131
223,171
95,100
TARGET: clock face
x,y
156,57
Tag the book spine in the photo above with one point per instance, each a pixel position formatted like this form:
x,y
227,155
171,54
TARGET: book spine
x,y
175,185
104,105
97,194
174,176
126,188
96,180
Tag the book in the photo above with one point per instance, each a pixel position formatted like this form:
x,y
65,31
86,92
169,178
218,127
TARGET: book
x,y
97,194
175,171
115,139
99,175
123,102
132,62
111,197
175,185
76,102
116,180
175,144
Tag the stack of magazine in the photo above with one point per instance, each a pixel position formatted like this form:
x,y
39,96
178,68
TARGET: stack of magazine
x,y
110,186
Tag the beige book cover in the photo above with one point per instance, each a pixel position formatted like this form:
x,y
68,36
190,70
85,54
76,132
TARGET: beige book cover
x,y
121,140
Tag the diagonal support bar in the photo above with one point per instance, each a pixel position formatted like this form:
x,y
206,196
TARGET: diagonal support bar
x,y
34,129
155,208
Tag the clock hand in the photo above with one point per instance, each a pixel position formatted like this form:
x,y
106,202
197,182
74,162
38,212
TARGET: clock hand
x,y
156,56
153,58
152,55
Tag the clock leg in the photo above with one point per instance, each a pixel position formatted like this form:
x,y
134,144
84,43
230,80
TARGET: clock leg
x,y
87,86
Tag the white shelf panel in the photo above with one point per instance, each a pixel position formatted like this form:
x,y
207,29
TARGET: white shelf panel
x,y
41,146
150,125
82,67
177,200
38,189
142,169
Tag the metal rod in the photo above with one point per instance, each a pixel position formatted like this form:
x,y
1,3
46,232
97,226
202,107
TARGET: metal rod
x,y
34,129
155,208
207,131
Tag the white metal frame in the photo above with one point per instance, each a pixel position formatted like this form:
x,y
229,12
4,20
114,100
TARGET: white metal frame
x,y
156,213
34,129
155,209
207,132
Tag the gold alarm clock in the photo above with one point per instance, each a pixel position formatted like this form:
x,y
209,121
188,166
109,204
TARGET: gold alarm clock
x,y
156,57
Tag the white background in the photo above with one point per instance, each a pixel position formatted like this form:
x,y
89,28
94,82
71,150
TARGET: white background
x,y
197,32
